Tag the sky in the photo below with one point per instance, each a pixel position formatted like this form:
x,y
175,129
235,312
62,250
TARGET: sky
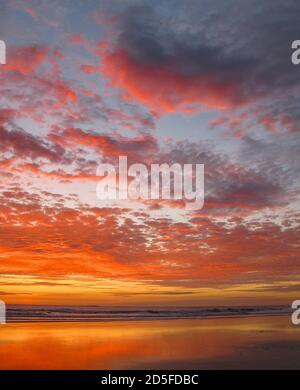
x,y
207,82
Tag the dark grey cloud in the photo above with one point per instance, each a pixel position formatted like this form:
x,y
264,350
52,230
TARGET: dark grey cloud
x,y
251,180
22,144
241,48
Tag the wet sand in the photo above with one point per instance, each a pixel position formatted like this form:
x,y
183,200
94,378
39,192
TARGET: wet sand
x,y
262,342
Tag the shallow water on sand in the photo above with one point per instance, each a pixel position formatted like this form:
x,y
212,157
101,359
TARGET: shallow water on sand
x,y
263,342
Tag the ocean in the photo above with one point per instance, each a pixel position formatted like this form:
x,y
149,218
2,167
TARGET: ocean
x,y
30,313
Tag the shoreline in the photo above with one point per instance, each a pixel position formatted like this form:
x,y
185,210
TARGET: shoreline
x,y
148,319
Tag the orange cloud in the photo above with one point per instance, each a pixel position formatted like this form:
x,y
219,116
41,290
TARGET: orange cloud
x,y
162,89
26,60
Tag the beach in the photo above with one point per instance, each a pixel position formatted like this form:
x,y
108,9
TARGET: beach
x,y
238,342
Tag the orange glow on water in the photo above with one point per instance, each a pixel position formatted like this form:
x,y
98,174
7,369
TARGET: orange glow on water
x,y
211,343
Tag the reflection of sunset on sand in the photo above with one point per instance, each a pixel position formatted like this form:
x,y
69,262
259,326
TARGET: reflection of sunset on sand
x,y
250,342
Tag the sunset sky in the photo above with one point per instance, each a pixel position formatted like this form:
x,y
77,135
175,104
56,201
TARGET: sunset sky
x,y
207,82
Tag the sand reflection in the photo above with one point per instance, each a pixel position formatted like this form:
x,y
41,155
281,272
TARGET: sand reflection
x,y
253,342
